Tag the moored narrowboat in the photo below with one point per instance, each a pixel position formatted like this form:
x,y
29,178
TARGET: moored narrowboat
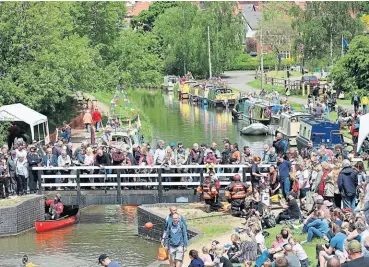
x,y
319,131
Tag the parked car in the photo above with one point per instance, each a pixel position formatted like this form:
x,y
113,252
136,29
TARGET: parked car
x,y
310,80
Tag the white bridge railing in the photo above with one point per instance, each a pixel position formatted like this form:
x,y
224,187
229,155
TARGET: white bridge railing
x,y
78,177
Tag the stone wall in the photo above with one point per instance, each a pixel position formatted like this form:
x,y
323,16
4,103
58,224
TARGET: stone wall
x,y
21,217
145,214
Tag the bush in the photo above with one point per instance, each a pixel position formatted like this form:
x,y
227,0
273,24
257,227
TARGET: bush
x,y
247,62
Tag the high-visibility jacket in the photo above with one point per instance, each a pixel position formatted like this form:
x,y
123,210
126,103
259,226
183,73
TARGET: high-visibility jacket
x,y
238,191
365,100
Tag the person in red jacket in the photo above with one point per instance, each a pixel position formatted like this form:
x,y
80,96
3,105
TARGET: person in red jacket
x,y
56,208
96,116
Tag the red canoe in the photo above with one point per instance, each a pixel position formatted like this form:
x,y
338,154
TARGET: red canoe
x,y
70,218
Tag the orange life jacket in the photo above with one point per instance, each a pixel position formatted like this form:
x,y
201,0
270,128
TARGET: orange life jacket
x,y
238,191
209,190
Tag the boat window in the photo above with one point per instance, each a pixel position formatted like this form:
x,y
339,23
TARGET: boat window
x,y
304,131
229,91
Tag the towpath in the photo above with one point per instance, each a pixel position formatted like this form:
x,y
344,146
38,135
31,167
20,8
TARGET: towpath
x,y
78,135
239,80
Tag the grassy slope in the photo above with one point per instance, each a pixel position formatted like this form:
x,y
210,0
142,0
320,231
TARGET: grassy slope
x,y
309,248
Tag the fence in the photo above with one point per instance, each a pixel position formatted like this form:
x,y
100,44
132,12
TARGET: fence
x,y
293,85
154,179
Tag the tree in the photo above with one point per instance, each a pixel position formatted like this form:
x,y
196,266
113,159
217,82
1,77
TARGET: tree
x,y
183,36
323,24
136,59
351,72
147,18
44,61
277,30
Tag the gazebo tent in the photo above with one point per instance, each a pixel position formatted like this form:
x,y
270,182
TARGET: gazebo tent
x,y
363,130
20,112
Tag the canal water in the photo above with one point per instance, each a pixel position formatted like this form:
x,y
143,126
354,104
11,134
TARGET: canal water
x,y
112,229
181,121
102,229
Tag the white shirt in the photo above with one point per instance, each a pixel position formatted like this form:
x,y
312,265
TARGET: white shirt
x,y
261,241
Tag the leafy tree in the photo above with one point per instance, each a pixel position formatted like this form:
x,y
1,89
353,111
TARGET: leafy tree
x,y
43,60
322,22
101,22
351,72
136,60
276,24
147,18
184,39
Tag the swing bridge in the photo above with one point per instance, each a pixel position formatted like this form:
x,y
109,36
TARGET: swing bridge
x,y
133,185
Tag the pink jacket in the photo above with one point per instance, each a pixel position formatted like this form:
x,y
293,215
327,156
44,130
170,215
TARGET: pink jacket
x,y
149,160
210,158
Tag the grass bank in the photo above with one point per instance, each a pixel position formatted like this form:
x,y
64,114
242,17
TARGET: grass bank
x,y
146,126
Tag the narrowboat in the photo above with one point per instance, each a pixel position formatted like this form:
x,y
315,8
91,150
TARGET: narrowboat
x,y
204,93
184,89
289,125
318,131
195,92
222,97
169,82
257,110
70,216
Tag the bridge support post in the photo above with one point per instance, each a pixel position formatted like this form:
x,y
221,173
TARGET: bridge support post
x,y
160,186
244,174
78,180
39,173
119,188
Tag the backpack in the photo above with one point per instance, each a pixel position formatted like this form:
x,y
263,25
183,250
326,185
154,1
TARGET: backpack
x,y
268,220
356,98
357,126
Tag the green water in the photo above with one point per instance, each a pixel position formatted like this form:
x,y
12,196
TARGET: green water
x,y
184,122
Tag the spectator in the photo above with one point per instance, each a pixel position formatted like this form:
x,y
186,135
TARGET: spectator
x,y
292,210
284,175
355,100
292,259
96,116
280,144
347,183
355,255
195,260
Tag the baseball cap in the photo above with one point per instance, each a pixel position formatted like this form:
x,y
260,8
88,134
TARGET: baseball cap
x,y
102,257
354,246
172,144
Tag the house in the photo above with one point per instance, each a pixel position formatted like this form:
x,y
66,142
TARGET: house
x,y
134,8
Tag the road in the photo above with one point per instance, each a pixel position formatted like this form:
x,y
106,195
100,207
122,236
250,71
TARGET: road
x,y
239,80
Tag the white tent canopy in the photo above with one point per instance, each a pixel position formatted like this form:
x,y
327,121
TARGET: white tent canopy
x,y
20,112
363,130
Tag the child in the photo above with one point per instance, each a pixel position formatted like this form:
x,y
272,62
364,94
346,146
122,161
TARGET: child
x,y
299,251
206,258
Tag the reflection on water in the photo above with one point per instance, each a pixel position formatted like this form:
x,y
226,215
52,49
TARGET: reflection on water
x,y
181,121
103,229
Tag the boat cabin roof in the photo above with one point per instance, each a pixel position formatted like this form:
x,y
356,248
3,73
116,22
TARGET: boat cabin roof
x,y
295,114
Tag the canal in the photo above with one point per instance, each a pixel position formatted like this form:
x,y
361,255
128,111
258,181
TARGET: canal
x,y
102,229
181,121
112,229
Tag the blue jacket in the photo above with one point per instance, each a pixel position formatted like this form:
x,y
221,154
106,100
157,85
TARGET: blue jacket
x,y
320,225
348,182
176,235
196,263
53,161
